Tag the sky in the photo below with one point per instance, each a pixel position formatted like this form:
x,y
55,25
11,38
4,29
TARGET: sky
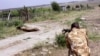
x,y
6,4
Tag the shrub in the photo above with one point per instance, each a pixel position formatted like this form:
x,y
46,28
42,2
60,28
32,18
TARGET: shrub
x,y
0,15
82,6
14,13
77,6
68,7
2,23
89,7
55,6
18,23
61,41
11,23
99,5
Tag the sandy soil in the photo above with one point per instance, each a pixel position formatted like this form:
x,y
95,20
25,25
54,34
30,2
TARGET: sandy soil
x,y
56,51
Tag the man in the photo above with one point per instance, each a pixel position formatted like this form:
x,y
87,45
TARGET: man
x,y
77,41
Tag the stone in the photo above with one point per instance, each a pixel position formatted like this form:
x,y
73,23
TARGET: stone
x,y
56,46
45,50
49,52
43,53
33,54
51,48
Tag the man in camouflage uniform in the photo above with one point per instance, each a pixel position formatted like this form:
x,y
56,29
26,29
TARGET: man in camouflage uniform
x,y
77,41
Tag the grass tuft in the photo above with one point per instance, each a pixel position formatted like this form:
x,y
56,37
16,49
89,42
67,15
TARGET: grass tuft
x,y
61,41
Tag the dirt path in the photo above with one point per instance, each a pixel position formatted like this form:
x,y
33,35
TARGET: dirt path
x,y
16,44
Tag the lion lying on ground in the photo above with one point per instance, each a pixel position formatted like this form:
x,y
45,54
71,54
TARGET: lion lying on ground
x,y
27,28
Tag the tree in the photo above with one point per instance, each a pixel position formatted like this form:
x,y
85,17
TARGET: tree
x,y
55,6
82,7
99,5
88,6
23,13
77,6
68,7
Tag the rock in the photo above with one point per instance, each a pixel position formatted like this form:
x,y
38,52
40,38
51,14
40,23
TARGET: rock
x,y
45,50
49,52
82,18
51,48
56,46
33,54
43,53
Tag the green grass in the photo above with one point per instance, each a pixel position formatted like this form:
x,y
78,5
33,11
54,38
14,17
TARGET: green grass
x,y
60,40
9,31
8,28
42,15
94,36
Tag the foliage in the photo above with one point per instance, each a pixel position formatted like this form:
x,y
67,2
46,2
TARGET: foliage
x,y
82,6
2,23
14,13
68,7
8,28
41,14
0,14
89,7
55,6
17,22
99,5
61,41
77,6
13,23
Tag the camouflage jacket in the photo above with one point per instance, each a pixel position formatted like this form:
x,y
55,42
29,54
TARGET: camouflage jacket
x,y
78,41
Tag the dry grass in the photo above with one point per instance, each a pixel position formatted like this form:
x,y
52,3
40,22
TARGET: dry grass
x,y
10,31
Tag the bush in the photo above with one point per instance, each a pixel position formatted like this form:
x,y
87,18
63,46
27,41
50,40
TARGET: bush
x,y
14,23
61,41
99,5
68,7
2,23
77,6
14,13
82,6
55,6
89,7
0,15
10,23
17,23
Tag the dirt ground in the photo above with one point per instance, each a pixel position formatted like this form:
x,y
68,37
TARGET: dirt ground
x,y
92,22
56,51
